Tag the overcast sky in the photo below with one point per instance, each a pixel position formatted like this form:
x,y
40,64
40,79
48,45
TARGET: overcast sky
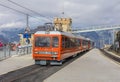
x,y
83,12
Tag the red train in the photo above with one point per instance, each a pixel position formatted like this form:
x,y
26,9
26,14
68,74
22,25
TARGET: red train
x,y
54,46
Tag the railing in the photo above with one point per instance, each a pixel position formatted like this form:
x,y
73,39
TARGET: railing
x,y
95,28
6,51
26,49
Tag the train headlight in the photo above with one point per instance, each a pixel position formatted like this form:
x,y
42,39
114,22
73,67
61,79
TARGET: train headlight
x,y
36,52
54,53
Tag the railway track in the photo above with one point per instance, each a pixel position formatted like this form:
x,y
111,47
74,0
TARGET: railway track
x,y
115,58
34,73
11,76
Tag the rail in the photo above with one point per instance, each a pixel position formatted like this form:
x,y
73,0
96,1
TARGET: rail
x,y
113,57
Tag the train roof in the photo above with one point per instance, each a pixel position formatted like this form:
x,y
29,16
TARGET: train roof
x,y
61,33
52,32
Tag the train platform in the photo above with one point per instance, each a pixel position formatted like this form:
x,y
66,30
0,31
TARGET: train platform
x,y
92,67
111,53
15,62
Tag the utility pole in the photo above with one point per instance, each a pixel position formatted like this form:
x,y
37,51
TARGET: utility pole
x,y
27,20
103,40
63,11
27,29
113,36
109,41
109,38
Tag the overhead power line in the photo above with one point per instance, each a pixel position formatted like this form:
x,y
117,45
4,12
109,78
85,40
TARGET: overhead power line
x,y
29,10
18,11
13,9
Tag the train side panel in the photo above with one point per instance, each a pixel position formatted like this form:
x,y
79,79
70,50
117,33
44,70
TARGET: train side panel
x,y
70,47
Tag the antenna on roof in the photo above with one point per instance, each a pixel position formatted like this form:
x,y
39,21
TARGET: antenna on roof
x,y
63,10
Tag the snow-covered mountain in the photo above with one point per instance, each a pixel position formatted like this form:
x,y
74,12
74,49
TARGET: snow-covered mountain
x,y
100,38
10,34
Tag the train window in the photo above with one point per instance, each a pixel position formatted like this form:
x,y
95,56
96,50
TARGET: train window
x,y
77,42
42,41
80,41
83,42
67,42
72,42
55,41
63,42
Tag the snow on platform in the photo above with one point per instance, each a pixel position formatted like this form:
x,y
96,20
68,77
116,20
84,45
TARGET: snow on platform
x,y
15,63
92,67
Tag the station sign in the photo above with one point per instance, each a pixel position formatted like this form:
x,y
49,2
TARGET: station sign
x,y
26,35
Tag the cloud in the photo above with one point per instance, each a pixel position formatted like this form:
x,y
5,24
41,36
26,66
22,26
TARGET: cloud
x,y
83,12
12,24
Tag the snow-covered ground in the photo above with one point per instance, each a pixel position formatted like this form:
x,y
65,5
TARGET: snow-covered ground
x,y
15,62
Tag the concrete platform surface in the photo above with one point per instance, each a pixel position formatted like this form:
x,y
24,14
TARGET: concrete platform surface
x,y
92,67
15,63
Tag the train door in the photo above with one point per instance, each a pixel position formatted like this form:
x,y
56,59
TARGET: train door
x,y
80,41
89,44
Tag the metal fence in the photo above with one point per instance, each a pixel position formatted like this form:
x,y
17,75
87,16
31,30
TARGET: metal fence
x,y
6,51
22,50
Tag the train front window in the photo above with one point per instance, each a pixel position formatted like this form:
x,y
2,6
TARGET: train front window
x,y
42,42
55,41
